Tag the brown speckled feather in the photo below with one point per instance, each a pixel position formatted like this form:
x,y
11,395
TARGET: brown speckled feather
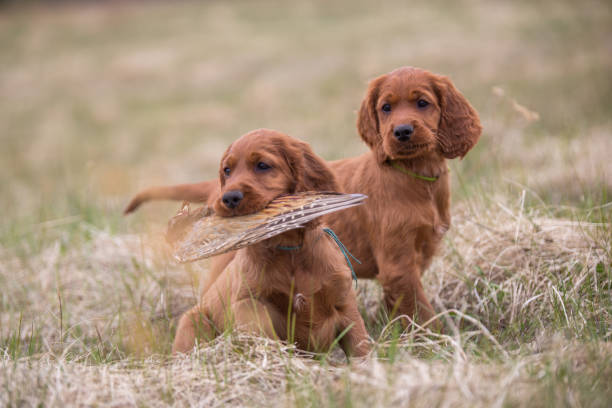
x,y
210,234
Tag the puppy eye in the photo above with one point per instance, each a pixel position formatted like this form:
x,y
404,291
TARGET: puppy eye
x,y
421,103
263,166
386,108
226,171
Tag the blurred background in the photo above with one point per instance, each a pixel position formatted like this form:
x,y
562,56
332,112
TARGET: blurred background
x,y
99,99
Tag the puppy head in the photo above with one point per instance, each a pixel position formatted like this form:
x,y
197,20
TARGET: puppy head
x,y
411,112
263,165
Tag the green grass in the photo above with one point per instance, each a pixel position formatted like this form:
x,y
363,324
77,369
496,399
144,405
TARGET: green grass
x,y
99,100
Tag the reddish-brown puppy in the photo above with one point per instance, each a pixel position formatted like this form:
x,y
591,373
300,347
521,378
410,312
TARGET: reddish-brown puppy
x,y
264,282
413,121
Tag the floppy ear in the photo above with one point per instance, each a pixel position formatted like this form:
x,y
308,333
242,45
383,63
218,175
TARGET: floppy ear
x,y
459,127
309,171
367,119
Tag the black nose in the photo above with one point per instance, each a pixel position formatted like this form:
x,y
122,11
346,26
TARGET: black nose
x,y
403,132
231,199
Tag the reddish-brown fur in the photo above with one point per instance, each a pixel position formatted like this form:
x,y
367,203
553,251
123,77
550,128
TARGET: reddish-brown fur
x,y
259,286
398,230
396,233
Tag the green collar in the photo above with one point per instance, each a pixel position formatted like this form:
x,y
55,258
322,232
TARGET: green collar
x,y
289,248
410,173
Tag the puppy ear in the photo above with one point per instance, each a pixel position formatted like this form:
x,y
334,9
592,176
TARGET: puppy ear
x,y
460,127
367,119
309,171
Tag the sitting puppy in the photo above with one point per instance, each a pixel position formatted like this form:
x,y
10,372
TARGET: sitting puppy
x,y
301,271
413,121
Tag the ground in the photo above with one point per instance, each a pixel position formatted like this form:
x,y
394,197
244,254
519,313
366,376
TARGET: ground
x,y
100,99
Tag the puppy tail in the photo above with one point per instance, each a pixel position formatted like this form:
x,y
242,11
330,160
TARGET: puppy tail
x,y
195,193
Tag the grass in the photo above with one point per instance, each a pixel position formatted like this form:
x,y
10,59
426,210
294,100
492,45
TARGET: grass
x,y
99,100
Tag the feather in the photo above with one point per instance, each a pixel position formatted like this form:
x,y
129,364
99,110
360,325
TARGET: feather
x,y
208,234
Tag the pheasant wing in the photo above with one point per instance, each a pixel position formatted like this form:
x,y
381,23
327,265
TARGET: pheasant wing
x,y
213,235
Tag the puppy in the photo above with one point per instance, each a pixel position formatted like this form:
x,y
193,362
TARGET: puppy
x,y
300,272
413,121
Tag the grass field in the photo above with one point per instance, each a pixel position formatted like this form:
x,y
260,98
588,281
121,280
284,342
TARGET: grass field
x,y
98,100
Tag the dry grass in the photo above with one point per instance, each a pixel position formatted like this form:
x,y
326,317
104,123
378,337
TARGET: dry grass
x,y
255,372
527,301
98,100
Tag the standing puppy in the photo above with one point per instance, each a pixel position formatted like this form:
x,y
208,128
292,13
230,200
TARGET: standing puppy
x,y
301,272
413,121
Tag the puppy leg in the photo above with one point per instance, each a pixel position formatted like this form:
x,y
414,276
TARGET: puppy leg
x,y
403,290
356,342
259,318
193,324
218,265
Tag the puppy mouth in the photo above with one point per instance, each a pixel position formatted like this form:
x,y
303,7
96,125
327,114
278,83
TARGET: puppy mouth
x,y
410,147
407,150
244,208
237,212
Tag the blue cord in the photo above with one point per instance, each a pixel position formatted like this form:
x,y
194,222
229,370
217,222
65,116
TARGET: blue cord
x,y
344,251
